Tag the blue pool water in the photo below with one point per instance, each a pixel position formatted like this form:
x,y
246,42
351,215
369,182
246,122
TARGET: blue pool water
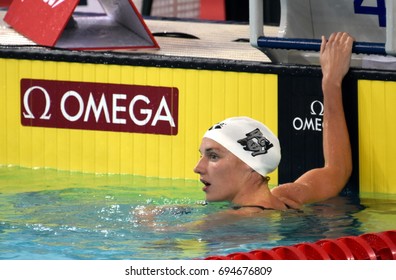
x,y
48,214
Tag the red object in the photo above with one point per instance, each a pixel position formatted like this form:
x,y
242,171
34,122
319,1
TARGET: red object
x,y
265,254
40,21
216,258
360,249
5,3
46,23
383,246
289,253
313,251
99,106
212,9
336,251
391,234
369,246
241,256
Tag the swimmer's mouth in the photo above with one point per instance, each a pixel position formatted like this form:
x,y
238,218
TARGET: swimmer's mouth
x,y
206,185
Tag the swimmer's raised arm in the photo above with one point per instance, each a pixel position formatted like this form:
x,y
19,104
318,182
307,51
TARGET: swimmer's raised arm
x,y
323,183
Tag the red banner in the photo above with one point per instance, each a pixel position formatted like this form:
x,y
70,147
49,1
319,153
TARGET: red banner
x,y
99,106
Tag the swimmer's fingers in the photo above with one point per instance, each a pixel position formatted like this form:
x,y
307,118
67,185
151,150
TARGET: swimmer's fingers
x,y
335,56
323,45
145,215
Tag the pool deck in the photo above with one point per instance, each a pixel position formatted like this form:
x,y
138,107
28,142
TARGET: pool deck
x,y
216,40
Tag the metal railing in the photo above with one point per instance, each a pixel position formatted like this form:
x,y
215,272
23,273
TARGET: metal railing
x,y
260,41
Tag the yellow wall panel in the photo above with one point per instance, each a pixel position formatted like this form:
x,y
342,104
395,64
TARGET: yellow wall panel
x,y
244,99
12,120
63,150
76,153
101,155
218,95
139,154
3,110
188,95
50,152
205,97
114,153
126,148
88,151
38,147
230,84
376,101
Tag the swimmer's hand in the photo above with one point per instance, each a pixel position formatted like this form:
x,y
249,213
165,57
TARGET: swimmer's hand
x,y
147,215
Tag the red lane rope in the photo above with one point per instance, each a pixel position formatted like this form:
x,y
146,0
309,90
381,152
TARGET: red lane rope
x,y
368,246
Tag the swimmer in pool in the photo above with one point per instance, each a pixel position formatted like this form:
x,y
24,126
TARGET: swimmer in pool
x,y
238,153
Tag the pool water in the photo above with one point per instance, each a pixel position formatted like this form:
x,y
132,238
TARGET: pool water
x,y
48,214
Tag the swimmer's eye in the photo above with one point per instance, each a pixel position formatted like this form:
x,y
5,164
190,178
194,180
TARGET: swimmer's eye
x,y
213,156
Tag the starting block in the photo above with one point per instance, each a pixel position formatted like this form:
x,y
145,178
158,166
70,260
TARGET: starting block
x,y
50,23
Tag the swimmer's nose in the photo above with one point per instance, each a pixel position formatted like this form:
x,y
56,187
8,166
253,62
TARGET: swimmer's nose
x,y
199,167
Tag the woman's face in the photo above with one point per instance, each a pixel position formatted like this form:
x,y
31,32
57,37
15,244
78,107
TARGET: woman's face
x,y
222,173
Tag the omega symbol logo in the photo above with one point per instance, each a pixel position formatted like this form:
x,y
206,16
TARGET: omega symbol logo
x,y
313,123
29,114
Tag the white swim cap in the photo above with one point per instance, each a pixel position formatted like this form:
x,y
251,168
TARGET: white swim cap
x,y
249,140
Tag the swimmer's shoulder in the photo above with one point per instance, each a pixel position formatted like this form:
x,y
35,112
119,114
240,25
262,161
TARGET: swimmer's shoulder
x,y
289,194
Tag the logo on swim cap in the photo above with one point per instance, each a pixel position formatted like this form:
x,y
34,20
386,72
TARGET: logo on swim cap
x,y
256,143
217,126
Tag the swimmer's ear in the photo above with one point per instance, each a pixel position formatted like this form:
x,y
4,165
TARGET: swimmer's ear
x,y
266,179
